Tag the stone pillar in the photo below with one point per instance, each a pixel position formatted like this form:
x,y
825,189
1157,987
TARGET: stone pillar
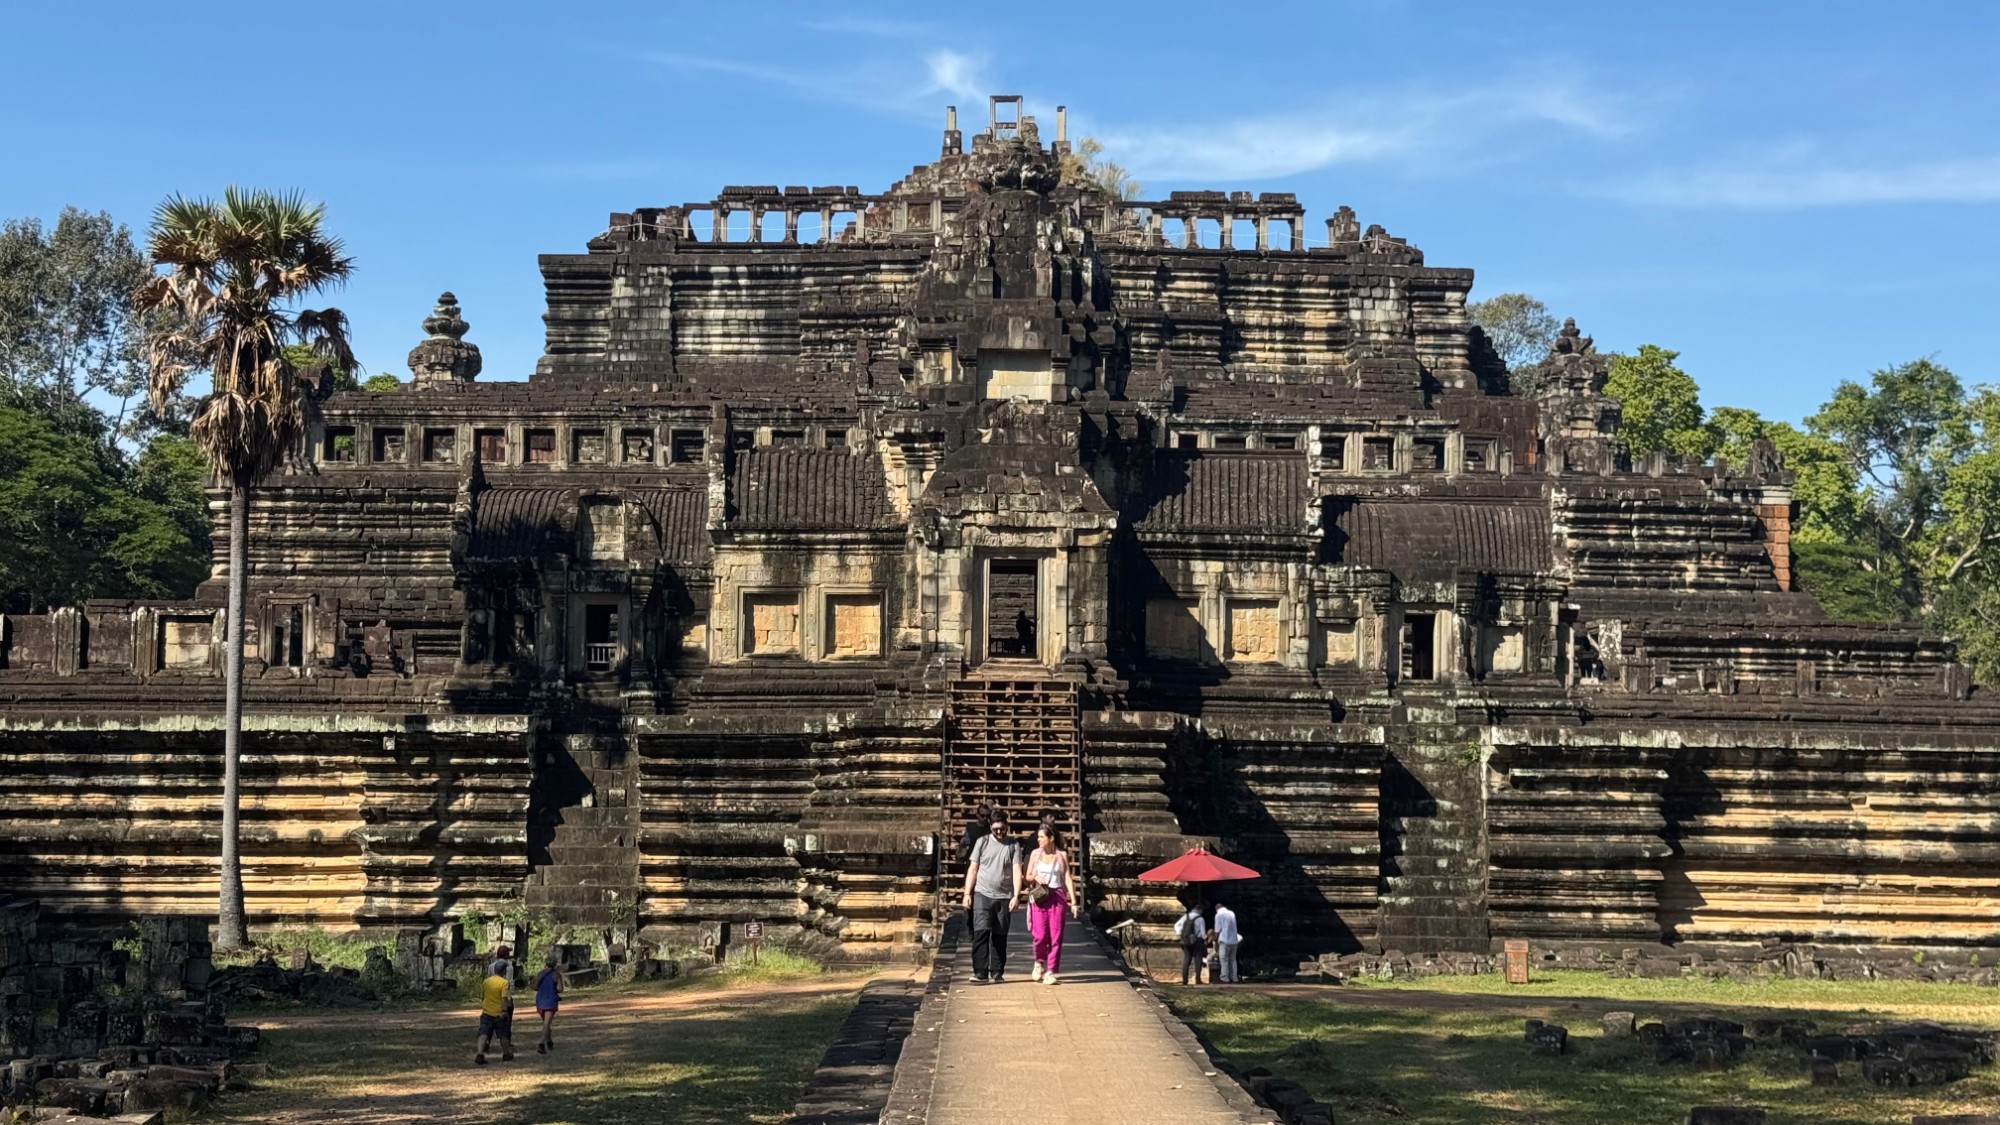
x,y
1227,221
792,225
1263,232
1298,224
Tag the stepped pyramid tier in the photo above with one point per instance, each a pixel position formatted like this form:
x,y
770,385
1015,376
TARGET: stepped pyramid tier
x,y
828,513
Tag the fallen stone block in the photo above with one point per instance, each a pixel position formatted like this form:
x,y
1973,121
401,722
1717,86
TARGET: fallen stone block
x,y
1618,1025
1823,1072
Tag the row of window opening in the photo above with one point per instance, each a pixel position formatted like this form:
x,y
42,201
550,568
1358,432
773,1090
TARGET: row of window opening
x,y
390,445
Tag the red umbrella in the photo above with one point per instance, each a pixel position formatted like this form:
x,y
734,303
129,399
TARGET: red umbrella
x,y
1197,866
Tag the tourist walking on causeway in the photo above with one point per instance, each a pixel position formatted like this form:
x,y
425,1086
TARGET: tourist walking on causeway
x,y
975,830
992,887
496,1009
548,997
1227,938
1051,890
1192,931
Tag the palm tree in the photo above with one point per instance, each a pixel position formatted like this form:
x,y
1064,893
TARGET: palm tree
x,y
224,304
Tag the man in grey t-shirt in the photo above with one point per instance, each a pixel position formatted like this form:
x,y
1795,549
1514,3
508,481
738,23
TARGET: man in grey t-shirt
x,y
992,887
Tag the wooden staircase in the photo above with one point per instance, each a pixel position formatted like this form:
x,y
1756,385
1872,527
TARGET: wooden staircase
x,y
1012,742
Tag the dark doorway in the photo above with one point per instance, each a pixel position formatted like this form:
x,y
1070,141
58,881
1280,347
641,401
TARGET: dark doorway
x,y
1011,609
1419,646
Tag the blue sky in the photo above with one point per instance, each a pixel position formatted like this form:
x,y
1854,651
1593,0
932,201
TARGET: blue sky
x,y
1789,194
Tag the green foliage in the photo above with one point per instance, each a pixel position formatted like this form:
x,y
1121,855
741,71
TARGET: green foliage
x,y
1852,581
1519,327
1662,403
69,328
78,520
381,383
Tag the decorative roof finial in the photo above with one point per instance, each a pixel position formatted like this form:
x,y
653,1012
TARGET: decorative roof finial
x,y
444,357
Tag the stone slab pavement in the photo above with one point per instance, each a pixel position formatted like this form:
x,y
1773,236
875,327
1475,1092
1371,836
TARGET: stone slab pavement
x,y
1091,1050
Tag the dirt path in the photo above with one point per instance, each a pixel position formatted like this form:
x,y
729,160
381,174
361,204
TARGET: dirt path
x,y
698,1052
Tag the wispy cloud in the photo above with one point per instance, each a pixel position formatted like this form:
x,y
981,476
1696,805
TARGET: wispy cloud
x,y
890,90
1351,130
956,74
871,28
1796,179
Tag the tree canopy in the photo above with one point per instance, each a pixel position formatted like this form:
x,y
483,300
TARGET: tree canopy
x,y
69,331
99,496
1519,327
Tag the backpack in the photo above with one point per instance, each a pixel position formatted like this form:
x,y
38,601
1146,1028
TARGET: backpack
x,y
1185,930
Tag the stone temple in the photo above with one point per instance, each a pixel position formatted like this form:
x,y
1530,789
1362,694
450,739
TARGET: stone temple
x,y
827,513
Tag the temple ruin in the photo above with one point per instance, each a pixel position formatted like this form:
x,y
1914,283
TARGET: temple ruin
x,y
827,513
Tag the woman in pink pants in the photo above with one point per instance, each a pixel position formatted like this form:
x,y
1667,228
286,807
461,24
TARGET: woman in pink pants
x,y
1048,866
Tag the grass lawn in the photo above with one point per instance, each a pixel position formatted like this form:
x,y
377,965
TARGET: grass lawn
x,y
735,1047
1449,1050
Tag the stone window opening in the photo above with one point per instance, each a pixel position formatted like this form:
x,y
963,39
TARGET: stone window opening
x,y
1243,233
736,226
600,638
1280,233
1208,233
1478,455
638,445
771,227
809,228
1230,442
1187,440
339,447
492,446
1378,454
740,440
1281,441
1333,451
788,437
1427,455
701,225
1173,231
440,446
834,437
1418,659
586,447
541,447
388,444
843,222
686,447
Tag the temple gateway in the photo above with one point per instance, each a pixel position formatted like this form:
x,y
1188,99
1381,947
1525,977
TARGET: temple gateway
x,y
828,513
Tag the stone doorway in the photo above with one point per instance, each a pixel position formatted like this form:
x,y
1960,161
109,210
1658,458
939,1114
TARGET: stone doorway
x,y
1013,609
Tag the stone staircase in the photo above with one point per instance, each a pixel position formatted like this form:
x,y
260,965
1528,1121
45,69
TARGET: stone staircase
x,y
586,809
1433,891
